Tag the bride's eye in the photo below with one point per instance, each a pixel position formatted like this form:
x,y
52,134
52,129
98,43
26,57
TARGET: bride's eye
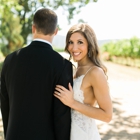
x,y
80,42
70,42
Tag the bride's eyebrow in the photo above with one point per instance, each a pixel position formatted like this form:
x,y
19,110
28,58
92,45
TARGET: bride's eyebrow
x,y
80,40
70,40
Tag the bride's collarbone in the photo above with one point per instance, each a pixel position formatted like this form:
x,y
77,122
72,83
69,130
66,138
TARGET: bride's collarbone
x,y
83,70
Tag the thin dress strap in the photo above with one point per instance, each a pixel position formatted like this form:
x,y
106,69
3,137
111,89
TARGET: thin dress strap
x,y
88,70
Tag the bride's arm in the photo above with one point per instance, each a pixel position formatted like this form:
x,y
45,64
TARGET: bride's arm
x,y
101,91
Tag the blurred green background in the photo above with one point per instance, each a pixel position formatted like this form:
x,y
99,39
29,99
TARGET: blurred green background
x,y
124,80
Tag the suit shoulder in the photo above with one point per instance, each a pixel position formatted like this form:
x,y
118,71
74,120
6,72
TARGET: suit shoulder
x,y
68,62
58,55
17,51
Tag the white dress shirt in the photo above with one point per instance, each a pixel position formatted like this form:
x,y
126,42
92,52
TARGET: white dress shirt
x,y
42,40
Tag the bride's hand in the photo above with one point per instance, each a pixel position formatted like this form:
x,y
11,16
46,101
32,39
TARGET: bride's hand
x,y
64,95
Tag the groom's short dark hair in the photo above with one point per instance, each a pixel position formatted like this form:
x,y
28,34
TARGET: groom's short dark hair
x,y
45,21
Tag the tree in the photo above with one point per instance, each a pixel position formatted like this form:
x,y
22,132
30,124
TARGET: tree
x,y
71,7
19,14
10,37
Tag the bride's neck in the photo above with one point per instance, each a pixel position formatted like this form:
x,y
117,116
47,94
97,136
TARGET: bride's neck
x,y
84,63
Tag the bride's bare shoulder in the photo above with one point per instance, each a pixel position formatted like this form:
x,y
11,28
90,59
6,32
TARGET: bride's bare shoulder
x,y
96,72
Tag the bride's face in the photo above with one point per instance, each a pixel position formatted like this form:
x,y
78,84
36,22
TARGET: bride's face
x,y
78,47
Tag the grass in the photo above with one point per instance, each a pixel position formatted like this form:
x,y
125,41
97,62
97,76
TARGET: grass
x,y
58,49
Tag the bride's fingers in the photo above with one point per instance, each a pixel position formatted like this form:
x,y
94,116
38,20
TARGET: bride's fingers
x,y
61,87
70,87
57,94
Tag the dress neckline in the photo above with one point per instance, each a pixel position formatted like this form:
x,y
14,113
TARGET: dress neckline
x,y
79,76
85,73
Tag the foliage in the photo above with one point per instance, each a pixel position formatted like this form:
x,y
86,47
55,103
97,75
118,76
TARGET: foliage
x,y
1,64
58,49
16,18
135,43
127,48
25,9
10,37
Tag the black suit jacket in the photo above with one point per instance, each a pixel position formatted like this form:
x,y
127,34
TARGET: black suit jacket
x,y
29,109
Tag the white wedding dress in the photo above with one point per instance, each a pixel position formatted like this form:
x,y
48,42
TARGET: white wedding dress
x,y
82,127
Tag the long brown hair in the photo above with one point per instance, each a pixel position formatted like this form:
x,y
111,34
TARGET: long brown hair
x,y
93,48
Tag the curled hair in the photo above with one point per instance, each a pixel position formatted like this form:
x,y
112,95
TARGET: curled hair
x,y
45,21
93,49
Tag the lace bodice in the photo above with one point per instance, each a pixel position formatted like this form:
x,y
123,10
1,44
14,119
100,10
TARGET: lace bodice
x,y
79,96
84,125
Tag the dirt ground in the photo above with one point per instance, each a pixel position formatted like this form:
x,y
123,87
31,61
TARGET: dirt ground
x,y
124,83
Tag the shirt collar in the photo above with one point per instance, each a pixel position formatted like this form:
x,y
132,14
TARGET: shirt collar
x,y
42,40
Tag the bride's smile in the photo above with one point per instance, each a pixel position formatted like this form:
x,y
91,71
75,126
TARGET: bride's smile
x,y
78,47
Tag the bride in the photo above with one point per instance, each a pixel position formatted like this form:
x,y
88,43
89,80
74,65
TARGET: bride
x,y
90,85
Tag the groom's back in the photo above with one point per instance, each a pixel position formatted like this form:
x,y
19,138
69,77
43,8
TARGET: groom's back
x,y
30,77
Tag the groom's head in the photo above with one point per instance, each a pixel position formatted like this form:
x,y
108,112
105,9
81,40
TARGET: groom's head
x,y
45,21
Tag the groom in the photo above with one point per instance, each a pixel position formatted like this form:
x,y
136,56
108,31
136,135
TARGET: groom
x,y
28,79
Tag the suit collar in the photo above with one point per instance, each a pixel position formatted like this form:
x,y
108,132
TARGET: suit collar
x,y
42,40
40,44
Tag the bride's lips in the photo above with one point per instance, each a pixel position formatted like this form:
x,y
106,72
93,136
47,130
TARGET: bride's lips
x,y
76,54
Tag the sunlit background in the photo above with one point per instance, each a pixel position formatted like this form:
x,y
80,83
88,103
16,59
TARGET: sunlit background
x,y
110,19
117,27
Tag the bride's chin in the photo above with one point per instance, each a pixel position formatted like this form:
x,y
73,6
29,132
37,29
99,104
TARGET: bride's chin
x,y
75,60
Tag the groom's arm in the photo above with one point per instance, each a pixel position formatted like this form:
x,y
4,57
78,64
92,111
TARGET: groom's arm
x,y
62,113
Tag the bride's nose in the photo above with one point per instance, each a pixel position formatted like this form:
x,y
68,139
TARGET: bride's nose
x,y
75,47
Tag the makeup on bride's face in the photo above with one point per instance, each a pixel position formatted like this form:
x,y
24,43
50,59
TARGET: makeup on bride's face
x,y
78,46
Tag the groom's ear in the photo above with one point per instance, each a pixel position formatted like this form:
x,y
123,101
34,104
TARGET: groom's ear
x,y
33,28
56,31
